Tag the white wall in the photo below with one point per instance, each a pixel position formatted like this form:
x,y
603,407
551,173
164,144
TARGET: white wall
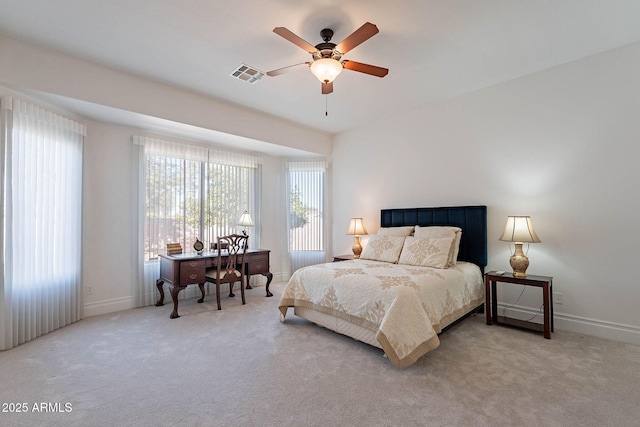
x,y
561,145
108,220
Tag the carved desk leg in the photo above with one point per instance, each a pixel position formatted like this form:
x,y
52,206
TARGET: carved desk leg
x,y
201,285
269,276
175,290
159,284
248,277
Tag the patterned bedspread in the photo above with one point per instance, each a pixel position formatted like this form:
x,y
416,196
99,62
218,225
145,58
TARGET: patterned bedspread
x,y
405,306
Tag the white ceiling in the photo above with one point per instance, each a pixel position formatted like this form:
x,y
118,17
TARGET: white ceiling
x,y
435,49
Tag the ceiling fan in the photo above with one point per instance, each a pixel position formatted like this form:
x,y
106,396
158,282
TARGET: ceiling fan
x,y
327,57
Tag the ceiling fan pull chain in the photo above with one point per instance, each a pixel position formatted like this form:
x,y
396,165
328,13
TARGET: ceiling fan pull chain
x,y
326,112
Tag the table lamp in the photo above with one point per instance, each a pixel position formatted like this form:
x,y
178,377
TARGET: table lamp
x,y
245,221
519,230
356,229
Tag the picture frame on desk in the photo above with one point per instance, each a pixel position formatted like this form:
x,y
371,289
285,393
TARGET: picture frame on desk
x,y
214,246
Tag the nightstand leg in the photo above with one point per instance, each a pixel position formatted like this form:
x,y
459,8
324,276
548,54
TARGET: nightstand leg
x,y
547,311
551,299
494,301
487,300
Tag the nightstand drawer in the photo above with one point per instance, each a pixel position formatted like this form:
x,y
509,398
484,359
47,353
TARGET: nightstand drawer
x,y
192,271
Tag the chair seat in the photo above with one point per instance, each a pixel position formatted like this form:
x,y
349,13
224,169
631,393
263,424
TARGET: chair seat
x,y
212,274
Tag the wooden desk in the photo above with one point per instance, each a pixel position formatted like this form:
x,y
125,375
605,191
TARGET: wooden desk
x,y
181,270
544,282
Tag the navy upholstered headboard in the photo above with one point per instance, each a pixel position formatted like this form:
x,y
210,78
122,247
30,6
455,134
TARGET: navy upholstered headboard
x,y
472,220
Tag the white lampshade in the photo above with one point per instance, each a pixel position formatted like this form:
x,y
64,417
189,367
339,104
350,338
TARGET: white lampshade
x,y
245,220
519,229
356,227
326,69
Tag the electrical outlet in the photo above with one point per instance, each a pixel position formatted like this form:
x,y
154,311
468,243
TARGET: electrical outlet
x,y
558,298
89,290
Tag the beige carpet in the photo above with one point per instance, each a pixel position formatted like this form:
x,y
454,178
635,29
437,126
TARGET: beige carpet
x,y
242,367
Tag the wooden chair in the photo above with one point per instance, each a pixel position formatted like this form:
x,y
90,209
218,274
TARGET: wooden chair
x,y
230,264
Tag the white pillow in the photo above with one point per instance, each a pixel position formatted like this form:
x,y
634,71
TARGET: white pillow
x,y
443,231
426,252
383,248
395,231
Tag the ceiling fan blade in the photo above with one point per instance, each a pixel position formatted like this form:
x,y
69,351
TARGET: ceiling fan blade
x,y
365,68
327,88
286,69
283,32
359,36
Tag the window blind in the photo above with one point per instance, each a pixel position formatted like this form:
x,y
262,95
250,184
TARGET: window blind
x,y
42,197
306,183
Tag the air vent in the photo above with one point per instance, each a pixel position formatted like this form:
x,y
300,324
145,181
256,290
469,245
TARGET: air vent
x,y
247,74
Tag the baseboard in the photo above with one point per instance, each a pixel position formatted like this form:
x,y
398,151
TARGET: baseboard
x,y
107,306
582,325
259,280
281,277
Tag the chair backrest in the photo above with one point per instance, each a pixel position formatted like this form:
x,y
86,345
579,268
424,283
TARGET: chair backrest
x,y
231,253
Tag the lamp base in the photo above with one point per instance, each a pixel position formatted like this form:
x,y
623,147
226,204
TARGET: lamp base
x,y
357,247
519,262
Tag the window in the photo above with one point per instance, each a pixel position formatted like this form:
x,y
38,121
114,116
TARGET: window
x,y
187,199
306,183
172,203
191,192
42,197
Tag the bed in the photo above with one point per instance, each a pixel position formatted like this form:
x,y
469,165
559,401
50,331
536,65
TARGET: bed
x,y
392,298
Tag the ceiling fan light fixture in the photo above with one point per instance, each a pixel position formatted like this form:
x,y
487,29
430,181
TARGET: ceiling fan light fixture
x,y
326,69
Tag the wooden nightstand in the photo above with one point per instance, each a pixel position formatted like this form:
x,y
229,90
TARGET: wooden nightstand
x,y
343,258
491,305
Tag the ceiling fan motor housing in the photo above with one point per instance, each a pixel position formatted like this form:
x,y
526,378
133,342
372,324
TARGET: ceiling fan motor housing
x,y
326,49
326,34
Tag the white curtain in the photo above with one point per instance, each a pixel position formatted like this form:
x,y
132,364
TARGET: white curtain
x,y
183,192
42,197
306,200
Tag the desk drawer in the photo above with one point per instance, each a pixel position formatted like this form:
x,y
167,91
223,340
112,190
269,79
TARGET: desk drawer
x,y
258,264
192,271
